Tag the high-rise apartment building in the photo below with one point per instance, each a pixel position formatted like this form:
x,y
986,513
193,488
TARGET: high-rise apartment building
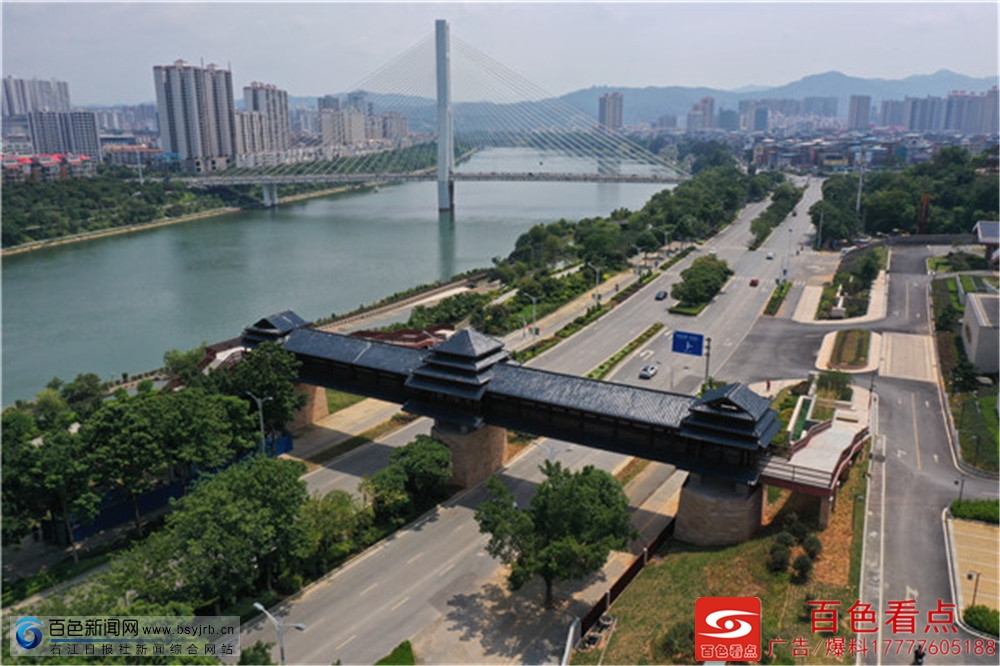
x,y
74,132
331,102
610,110
272,103
345,127
196,113
702,115
820,106
249,130
923,114
991,112
859,112
394,126
891,113
358,101
23,96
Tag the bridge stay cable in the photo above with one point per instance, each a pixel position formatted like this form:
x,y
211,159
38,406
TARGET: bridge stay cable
x,y
495,108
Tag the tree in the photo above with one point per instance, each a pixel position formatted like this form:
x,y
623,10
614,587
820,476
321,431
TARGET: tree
x,y
702,280
803,566
197,429
330,526
124,448
184,365
267,372
21,509
575,520
237,527
259,653
385,492
813,546
83,394
426,462
66,480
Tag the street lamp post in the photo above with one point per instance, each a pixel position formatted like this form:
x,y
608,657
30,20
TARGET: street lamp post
x,y
961,487
279,625
260,412
534,311
638,254
597,279
975,588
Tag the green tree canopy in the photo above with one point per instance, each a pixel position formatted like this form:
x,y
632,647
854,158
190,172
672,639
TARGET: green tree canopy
x,y
574,521
269,371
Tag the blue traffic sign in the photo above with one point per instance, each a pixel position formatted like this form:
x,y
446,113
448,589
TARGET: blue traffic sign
x,y
688,343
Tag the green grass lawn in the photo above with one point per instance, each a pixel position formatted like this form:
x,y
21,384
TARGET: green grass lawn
x,y
850,349
401,656
338,400
663,595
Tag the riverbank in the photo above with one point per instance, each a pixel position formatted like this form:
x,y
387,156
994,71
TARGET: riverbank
x,y
103,233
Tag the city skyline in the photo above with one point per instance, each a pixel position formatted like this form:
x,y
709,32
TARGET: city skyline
x,y
552,45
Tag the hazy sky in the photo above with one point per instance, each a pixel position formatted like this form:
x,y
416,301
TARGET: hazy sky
x,y
106,51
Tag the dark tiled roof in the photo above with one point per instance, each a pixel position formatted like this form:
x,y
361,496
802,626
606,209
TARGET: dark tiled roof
x,y
345,349
987,231
281,323
737,395
469,343
615,400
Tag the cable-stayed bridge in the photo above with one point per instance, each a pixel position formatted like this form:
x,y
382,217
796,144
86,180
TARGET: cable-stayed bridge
x,y
497,109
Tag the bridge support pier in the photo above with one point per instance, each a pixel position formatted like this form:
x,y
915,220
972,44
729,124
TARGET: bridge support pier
x,y
476,453
270,195
314,410
735,511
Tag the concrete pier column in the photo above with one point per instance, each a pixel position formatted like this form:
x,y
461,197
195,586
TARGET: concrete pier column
x,y
314,410
717,512
826,507
476,453
270,194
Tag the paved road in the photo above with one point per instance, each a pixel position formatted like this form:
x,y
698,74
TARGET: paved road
x,y
913,478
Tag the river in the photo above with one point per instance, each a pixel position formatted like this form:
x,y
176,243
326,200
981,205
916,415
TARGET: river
x,y
116,304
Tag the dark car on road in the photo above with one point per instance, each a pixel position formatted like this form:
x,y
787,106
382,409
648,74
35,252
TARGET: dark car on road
x,y
661,295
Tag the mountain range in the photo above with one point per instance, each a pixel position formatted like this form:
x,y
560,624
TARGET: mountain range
x,y
651,102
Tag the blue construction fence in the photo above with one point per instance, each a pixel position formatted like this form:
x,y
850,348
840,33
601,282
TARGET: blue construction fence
x,y
115,508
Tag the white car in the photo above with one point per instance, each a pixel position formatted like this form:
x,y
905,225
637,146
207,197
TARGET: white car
x,y
770,255
647,372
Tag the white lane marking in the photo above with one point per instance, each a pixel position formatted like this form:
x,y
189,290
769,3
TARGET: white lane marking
x,y
368,589
353,636
446,569
399,603
414,558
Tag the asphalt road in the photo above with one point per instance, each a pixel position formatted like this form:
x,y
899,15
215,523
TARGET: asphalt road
x,y
913,479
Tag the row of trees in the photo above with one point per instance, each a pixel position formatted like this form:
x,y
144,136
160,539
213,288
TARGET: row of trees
x,y
783,200
961,192
252,528
44,210
65,451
